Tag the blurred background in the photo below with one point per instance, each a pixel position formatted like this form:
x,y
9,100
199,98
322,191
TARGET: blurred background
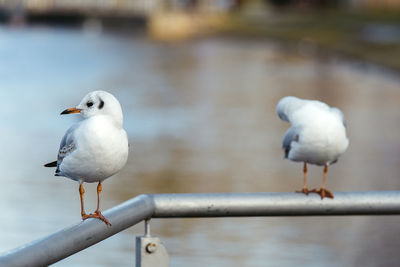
x,y
198,82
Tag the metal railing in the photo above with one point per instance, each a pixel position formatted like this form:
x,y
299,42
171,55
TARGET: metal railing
x,y
71,240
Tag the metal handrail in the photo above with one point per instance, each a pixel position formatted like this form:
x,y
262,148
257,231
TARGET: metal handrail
x,y
70,240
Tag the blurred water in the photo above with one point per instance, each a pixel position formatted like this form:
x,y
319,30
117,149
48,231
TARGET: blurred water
x,y
200,116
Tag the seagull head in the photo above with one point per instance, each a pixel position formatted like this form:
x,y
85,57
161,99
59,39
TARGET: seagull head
x,y
98,103
287,105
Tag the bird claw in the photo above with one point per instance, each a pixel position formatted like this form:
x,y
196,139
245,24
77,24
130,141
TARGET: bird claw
x,y
304,191
323,192
97,215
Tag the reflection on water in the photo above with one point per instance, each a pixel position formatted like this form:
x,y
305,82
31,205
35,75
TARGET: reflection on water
x,y
201,118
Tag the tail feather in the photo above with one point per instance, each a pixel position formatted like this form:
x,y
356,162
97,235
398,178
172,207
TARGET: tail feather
x,y
51,164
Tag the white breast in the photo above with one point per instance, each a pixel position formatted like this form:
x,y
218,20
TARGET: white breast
x,y
101,150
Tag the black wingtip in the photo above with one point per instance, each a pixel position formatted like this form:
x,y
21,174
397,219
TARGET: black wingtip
x,y
51,164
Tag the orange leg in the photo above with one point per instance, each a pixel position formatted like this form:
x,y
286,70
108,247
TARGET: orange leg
x,y
81,192
97,214
305,189
323,192
99,188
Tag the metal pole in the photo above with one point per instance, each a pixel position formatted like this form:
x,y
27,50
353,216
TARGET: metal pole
x,y
275,204
147,228
76,238
68,241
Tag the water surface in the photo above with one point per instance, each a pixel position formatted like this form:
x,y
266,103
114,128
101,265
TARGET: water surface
x,y
200,116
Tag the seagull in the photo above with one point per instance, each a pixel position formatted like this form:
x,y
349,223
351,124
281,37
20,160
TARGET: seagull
x,y
95,148
317,136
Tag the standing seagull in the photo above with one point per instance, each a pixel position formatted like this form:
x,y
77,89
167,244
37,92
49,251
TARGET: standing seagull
x,y
317,135
94,148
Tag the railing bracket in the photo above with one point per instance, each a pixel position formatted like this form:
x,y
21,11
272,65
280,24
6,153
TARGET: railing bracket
x,y
150,251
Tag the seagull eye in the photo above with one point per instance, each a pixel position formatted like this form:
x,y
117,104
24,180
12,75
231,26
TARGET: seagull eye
x,y
89,104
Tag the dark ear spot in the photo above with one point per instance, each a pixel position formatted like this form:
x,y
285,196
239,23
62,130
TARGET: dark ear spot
x,y
101,105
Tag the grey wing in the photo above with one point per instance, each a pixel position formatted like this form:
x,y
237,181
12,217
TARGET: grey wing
x,y
340,115
67,146
292,134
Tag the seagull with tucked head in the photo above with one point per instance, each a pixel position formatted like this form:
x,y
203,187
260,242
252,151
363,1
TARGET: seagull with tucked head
x,y
317,136
95,148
